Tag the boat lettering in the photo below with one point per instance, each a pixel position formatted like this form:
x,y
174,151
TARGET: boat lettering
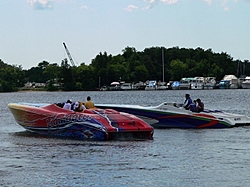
x,y
237,119
67,118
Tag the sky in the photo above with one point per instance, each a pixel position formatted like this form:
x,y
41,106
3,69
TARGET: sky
x,y
33,31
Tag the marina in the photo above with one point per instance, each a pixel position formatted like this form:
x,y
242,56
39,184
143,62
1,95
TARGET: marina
x,y
186,83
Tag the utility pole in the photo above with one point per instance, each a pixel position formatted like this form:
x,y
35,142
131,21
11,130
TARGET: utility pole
x,y
162,49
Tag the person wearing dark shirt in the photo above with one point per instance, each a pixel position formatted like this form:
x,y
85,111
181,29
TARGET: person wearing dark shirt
x,y
200,105
193,106
187,102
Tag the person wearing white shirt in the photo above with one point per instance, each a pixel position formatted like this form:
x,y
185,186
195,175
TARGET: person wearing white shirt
x,y
79,106
67,105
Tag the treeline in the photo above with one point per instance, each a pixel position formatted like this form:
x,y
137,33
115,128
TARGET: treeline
x,y
130,66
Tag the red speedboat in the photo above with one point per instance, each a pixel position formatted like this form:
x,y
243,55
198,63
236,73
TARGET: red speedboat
x,y
93,124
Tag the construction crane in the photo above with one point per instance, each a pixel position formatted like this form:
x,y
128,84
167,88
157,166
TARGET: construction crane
x,y
68,53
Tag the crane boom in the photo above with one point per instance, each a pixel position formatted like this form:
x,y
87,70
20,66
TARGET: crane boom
x,y
69,55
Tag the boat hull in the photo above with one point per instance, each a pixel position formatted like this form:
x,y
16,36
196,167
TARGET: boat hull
x,y
245,85
209,86
95,124
173,117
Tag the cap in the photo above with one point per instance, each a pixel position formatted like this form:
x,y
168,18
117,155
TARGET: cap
x,y
69,101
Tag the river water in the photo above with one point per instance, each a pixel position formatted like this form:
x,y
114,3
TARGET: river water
x,y
175,157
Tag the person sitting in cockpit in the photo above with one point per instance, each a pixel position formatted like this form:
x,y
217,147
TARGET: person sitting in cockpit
x,y
200,105
187,102
79,106
193,106
67,105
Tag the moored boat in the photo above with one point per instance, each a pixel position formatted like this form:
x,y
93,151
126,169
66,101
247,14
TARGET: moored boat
x,y
229,81
140,86
246,83
115,86
161,86
197,83
209,83
127,86
152,85
224,84
172,115
91,124
185,83
175,85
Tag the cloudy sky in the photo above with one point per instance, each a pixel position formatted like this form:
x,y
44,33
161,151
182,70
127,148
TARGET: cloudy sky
x,y
34,30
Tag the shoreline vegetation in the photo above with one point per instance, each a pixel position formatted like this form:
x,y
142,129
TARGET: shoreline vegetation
x,y
30,89
131,66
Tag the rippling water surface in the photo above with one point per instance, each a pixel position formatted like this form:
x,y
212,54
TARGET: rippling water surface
x,y
175,157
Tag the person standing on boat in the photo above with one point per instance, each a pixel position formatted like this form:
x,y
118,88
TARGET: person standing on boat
x,y
89,104
200,105
187,102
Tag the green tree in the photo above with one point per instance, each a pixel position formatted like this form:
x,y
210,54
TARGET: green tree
x,y
99,65
116,71
85,78
66,76
11,77
140,73
35,74
178,69
51,71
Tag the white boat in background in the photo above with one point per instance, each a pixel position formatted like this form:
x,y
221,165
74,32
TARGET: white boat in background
x,y
209,83
246,83
161,86
104,88
197,83
114,86
152,85
229,81
235,84
140,85
127,86
185,83
169,84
